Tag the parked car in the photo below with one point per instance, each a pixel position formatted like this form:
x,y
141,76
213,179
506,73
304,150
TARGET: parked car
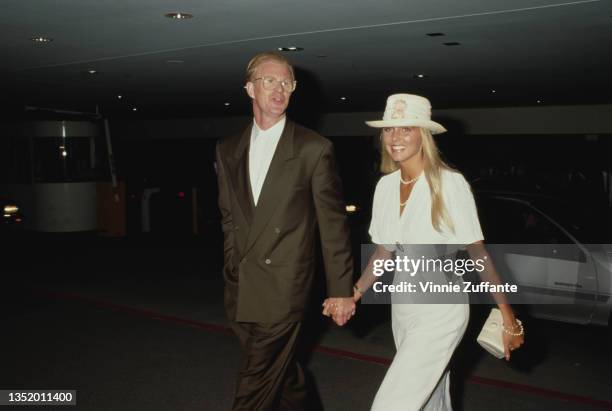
x,y
568,275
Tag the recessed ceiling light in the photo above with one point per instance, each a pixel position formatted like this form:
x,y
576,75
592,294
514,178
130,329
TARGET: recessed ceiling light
x,y
436,34
119,96
493,91
452,43
179,16
41,39
92,71
134,109
539,101
227,104
290,48
420,76
343,98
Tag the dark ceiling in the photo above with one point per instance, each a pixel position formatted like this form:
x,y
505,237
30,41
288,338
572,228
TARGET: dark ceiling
x,y
553,52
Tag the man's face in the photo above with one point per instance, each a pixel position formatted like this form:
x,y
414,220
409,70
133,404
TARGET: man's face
x,y
269,104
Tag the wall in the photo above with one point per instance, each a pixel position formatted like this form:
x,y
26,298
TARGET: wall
x,y
549,120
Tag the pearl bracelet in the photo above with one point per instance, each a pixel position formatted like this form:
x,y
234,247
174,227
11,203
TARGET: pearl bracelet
x,y
511,331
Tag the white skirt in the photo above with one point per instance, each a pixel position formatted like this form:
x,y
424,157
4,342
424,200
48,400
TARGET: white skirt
x,y
426,336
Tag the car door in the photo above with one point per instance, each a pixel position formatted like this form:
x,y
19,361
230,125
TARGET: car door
x,y
555,273
571,283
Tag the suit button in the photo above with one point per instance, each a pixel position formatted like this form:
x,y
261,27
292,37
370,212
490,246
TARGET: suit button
x,y
235,227
244,260
277,230
268,261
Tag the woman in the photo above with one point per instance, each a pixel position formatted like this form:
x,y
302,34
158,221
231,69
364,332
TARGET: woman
x,y
421,200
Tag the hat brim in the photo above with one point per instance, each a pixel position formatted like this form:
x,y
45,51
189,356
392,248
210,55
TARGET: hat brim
x,y
432,126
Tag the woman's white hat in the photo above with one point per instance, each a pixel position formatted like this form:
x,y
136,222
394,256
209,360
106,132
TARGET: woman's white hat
x,y
407,110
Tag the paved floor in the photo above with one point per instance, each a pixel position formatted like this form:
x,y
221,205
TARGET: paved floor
x,y
140,326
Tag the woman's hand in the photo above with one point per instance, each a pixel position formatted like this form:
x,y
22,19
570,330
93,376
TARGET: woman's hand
x,y
513,337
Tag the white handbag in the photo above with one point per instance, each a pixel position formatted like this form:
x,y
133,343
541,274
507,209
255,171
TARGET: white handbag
x,y
490,337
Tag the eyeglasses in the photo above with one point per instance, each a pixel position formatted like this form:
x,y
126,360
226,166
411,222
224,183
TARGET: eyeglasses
x,y
270,83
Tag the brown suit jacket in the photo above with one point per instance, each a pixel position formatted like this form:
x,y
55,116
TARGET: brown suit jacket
x,y
270,248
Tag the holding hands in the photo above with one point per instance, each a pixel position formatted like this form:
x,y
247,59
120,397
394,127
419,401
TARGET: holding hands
x,y
340,309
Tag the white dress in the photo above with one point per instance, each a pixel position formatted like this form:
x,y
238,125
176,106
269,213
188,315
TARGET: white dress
x,y
425,334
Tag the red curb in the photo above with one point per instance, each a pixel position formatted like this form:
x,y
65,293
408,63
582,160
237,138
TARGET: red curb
x,y
352,355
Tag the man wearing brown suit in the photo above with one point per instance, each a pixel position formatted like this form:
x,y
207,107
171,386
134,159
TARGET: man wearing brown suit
x,y
277,182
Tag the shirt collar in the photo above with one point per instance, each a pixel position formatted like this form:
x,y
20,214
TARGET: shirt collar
x,y
276,129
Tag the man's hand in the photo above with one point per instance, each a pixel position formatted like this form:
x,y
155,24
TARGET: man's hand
x,y
340,309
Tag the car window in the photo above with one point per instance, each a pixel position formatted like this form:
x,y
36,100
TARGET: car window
x,y
510,221
590,222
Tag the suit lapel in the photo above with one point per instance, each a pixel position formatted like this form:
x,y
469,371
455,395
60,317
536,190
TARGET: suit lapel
x,y
238,166
276,183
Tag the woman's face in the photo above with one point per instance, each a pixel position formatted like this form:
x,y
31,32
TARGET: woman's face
x,y
401,143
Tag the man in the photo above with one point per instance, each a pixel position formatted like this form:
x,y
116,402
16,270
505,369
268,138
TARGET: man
x,y
277,181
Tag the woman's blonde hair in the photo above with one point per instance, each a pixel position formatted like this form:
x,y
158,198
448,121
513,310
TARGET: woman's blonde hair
x,y
433,167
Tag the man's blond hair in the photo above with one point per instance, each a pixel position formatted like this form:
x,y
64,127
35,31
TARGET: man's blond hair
x,y
261,58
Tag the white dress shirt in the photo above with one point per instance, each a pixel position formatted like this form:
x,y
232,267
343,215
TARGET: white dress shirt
x,y
261,150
